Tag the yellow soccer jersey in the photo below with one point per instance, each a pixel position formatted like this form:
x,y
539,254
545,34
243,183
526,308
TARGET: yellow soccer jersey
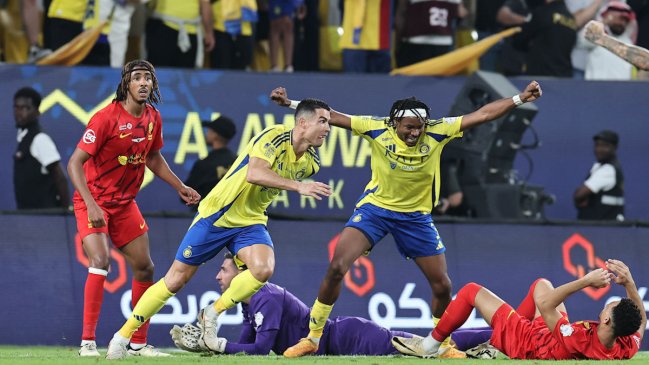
x,y
241,203
402,176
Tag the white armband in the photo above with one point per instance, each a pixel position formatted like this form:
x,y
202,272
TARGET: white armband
x,y
294,104
517,100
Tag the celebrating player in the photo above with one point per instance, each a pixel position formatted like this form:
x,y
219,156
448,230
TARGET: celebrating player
x,y
406,149
233,215
107,169
539,329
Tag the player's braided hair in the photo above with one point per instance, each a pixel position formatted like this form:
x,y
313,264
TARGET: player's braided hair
x,y
626,318
411,104
122,88
309,106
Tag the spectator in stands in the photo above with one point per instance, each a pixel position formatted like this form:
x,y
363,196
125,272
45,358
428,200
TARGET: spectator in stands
x,y
179,32
365,42
637,56
31,18
281,14
539,328
602,64
601,196
39,181
641,9
425,29
233,34
65,21
486,25
548,39
583,11
513,13
206,173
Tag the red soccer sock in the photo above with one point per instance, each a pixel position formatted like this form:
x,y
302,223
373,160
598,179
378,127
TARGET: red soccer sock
x,y
93,296
457,312
138,289
527,308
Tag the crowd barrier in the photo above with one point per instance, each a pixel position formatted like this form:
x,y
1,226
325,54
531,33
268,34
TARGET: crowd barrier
x,y
44,270
570,113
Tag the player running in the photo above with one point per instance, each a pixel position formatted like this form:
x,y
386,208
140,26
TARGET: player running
x,y
540,329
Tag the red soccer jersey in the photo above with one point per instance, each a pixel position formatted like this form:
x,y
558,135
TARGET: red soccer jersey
x,y
119,144
581,342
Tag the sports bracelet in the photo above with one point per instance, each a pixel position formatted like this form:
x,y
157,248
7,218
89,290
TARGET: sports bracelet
x,y
517,100
294,104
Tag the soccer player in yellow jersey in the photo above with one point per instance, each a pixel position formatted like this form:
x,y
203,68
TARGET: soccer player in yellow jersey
x,y
406,148
233,215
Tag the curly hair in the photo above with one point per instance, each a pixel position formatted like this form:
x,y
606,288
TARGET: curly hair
x,y
122,88
411,104
626,318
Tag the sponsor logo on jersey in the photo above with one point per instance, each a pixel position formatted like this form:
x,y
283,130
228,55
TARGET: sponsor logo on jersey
x,y
89,137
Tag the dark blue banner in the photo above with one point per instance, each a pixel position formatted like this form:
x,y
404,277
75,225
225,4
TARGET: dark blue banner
x,y
570,113
44,271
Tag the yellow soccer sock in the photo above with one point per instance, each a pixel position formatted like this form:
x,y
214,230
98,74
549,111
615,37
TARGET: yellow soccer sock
x,y
149,304
242,287
447,340
319,315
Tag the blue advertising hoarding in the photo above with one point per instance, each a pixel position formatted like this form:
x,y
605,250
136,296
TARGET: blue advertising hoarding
x,y
44,271
570,113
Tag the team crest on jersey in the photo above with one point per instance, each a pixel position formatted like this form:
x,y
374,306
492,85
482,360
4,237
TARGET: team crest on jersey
x,y
393,165
300,174
566,330
259,320
424,148
150,132
89,137
187,253
269,150
357,218
123,160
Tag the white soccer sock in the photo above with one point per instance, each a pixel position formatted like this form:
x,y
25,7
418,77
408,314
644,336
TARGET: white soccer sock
x,y
136,346
430,344
85,342
121,339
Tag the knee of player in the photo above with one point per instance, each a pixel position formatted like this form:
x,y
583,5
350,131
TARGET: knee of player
x,y
99,262
144,272
336,271
442,287
262,273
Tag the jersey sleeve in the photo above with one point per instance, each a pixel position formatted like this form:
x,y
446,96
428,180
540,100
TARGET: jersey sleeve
x,y
95,136
448,127
157,136
267,146
363,125
573,336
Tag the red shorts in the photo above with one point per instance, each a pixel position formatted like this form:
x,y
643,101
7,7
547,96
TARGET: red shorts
x,y
519,338
124,223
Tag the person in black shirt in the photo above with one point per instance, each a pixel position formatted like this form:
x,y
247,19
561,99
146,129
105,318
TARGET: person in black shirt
x,y
206,173
39,181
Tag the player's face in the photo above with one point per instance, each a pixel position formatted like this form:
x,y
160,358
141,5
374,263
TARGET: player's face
x,y
25,113
140,86
226,274
317,127
604,151
409,129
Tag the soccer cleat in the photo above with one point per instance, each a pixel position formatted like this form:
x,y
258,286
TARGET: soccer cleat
x,y
89,350
482,351
412,346
147,351
208,323
304,347
117,350
450,352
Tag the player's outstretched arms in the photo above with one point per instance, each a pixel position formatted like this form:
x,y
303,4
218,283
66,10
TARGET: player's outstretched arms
x,y
548,302
637,56
338,119
623,277
260,173
498,108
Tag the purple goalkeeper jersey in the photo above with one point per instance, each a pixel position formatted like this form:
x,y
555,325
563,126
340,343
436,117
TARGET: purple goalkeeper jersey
x,y
276,320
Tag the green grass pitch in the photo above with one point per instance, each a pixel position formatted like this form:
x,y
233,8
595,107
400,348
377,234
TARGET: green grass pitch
x,y
42,355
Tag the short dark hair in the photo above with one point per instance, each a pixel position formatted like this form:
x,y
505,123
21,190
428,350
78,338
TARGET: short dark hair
x,y
310,106
410,103
29,93
626,318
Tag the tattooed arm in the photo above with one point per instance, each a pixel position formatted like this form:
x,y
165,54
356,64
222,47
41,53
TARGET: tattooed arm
x,y
637,56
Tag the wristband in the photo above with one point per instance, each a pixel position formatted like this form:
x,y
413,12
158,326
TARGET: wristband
x,y
294,104
517,100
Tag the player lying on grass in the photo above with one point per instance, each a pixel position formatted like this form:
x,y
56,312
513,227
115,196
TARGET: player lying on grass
x,y
274,319
539,328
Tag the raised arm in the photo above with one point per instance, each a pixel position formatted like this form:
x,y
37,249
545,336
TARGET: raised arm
x,y
498,108
260,173
548,302
637,56
158,165
623,277
338,119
